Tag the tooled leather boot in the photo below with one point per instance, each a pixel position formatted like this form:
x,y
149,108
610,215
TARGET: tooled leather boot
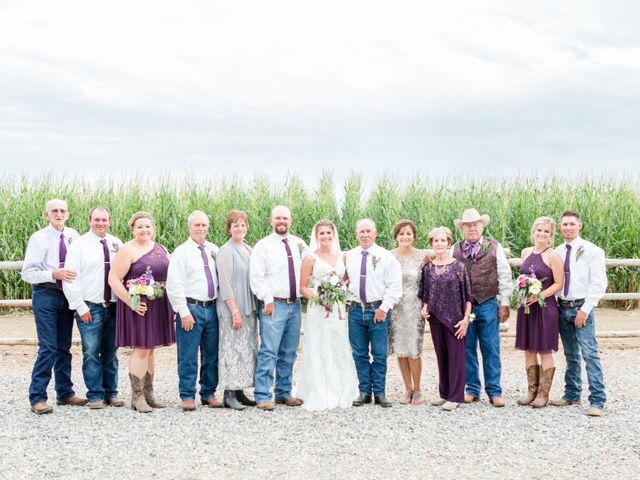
x,y
138,403
546,379
148,392
533,379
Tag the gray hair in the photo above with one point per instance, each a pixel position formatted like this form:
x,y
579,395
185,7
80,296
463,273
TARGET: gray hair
x,y
366,220
197,213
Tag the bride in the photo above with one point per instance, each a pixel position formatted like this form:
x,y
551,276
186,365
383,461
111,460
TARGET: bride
x,y
327,373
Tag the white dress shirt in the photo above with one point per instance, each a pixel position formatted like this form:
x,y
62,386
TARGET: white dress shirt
x,y
588,273
186,276
43,254
505,279
86,257
384,281
269,266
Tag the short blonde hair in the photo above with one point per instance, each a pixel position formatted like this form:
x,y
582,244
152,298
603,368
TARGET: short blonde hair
x,y
438,231
137,216
544,221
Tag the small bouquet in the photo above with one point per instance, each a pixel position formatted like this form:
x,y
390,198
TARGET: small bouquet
x,y
331,291
526,286
144,285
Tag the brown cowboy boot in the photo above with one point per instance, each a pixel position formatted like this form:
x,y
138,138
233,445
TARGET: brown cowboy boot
x,y
542,399
533,378
138,402
148,392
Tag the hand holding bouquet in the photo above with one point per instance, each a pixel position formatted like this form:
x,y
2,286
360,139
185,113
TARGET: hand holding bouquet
x,y
331,291
146,286
529,286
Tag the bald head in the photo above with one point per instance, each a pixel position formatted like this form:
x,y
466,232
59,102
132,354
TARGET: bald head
x,y
280,220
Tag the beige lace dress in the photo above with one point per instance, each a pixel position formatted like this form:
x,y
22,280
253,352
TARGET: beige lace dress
x,y
406,331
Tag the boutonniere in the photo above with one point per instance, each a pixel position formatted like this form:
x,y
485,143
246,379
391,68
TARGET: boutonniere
x,y
114,247
579,252
300,249
213,255
374,261
485,246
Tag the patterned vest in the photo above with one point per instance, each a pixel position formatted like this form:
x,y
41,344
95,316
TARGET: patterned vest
x,y
483,273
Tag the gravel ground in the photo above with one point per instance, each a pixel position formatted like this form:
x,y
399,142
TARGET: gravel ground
x,y
476,441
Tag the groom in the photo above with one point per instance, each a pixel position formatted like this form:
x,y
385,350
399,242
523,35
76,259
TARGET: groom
x,y
375,278
275,280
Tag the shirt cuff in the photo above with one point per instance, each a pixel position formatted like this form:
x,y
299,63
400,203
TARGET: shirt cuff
x,y
586,308
384,307
268,300
184,311
504,302
82,309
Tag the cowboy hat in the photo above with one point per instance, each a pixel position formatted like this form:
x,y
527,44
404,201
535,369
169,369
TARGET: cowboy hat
x,y
471,215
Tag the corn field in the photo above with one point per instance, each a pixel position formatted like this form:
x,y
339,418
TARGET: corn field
x,y
610,209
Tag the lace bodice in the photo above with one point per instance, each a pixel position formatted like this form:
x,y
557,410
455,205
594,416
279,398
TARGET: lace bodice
x,y
322,267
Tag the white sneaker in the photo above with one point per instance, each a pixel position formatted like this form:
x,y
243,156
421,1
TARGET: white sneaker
x,y
449,406
438,402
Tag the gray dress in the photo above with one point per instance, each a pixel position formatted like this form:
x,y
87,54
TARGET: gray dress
x,y
406,331
238,349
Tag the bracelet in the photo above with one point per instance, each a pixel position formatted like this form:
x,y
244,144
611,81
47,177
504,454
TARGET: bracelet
x,y
235,311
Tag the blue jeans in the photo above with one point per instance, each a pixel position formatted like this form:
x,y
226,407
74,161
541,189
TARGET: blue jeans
x,y
363,331
576,341
54,324
279,338
99,360
486,331
203,336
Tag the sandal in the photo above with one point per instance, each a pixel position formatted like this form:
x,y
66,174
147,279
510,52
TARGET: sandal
x,y
417,398
406,398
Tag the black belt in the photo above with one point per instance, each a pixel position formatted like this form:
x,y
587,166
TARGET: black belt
x,y
200,303
49,285
285,300
365,305
103,304
571,303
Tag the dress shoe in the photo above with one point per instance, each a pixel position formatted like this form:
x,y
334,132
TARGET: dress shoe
x,y
97,404
265,406
188,405
449,406
438,402
231,401
470,399
244,400
289,401
73,401
561,402
212,402
41,408
594,412
114,402
497,402
382,401
361,400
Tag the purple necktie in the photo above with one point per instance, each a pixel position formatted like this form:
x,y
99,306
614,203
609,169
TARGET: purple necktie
x,y
211,291
62,256
107,268
293,294
567,271
363,277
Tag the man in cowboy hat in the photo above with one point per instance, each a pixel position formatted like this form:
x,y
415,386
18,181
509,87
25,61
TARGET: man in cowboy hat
x,y
490,276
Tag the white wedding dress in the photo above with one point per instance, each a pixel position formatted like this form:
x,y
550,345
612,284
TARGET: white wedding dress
x,y
327,372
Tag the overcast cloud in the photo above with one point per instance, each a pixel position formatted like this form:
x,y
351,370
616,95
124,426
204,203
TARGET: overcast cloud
x,y
268,87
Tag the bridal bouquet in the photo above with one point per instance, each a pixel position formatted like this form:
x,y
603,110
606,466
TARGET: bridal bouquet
x,y
144,285
331,291
526,286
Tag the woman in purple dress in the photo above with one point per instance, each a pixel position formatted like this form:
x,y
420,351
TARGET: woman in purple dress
x,y
537,331
150,324
445,291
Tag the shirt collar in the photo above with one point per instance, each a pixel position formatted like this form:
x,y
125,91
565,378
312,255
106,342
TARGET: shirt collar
x,y
195,244
575,242
97,238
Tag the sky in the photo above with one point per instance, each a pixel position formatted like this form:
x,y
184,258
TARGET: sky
x,y
272,88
